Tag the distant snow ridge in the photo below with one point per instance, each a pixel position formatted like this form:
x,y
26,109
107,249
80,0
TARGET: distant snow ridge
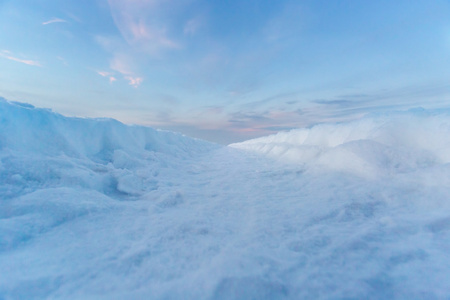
x,y
396,142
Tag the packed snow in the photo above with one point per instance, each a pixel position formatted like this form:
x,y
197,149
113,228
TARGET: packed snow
x,y
95,209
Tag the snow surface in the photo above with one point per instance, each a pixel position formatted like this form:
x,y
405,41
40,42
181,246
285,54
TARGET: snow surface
x,y
94,209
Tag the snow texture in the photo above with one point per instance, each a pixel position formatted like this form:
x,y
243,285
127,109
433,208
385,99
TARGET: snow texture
x,y
95,209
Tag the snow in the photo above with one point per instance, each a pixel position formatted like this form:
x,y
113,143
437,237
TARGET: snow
x,y
95,209
379,144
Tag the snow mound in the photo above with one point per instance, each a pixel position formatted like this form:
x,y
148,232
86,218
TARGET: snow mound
x,y
372,146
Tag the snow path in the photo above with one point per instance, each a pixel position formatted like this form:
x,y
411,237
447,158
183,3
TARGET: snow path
x,y
190,220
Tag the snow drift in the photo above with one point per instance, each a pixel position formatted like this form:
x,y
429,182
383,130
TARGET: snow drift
x,y
374,146
97,209
40,148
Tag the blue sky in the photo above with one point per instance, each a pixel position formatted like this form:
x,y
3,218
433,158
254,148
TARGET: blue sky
x,y
225,71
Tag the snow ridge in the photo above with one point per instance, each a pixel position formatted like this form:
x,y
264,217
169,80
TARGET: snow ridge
x,y
40,148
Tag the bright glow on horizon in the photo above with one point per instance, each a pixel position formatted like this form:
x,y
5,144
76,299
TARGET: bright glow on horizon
x,y
229,71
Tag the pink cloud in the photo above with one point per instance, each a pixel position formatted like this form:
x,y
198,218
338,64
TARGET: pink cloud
x,y
108,75
7,55
149,37
124,64
144,24
134,81
103,73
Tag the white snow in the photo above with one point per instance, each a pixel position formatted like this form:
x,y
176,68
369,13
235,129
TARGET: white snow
x,y
94,209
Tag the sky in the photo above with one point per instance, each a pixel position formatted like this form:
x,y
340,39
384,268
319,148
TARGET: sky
x,y
225,71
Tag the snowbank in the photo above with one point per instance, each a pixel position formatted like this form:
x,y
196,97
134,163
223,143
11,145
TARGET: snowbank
x,y
94,209
376,145
40,131
39,148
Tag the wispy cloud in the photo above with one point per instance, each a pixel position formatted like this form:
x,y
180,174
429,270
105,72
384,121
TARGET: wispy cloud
x,y
149,30
73,17
6,54
251,124
54,20
143,24
134,81
338,102
284,97
124,64
192,26
107,75
149,37
289,23
61,59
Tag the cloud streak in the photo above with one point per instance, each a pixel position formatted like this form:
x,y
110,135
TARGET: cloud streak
x,y
8,55
54,20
